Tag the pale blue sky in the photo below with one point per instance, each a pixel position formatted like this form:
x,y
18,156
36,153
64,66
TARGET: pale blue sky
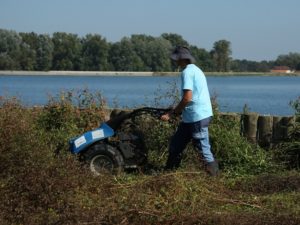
x,y
257,29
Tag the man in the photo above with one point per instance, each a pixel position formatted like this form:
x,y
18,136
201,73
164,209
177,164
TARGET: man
x,y
195,107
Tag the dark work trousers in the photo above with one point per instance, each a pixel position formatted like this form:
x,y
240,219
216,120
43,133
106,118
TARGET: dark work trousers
x,y
198,132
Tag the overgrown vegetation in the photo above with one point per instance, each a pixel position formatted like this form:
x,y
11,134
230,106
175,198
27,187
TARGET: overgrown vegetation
x,y
39,185
69,114
288,152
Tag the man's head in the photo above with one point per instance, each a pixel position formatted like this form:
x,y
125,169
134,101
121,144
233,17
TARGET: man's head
x,y
182,56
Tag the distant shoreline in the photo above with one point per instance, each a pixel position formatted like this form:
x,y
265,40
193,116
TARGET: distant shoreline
x,y
128,73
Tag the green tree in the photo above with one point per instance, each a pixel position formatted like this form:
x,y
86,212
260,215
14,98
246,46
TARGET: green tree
x,y
175,39
250,66
44,52
141,47
10,51
159,55
27,57
94,53
66,52
221,55
39,55
291,60
122,57
28,51
154,52
203,58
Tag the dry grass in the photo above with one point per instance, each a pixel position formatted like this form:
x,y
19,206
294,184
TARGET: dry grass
x,y
39,187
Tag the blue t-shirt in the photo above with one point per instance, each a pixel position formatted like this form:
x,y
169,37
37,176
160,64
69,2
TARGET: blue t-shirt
x,y
192,78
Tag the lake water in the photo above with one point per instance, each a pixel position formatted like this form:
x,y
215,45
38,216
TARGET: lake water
x,y
262,94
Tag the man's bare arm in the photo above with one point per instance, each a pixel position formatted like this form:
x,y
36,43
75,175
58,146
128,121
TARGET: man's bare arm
x,y
186,98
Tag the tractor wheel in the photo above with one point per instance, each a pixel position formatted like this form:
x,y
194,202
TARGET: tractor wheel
x,y
103,158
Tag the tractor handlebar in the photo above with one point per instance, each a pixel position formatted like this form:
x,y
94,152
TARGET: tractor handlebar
x,y
115,121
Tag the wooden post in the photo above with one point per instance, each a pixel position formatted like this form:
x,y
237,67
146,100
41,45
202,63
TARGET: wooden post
x,y
265,128
277,129
249,126
287,123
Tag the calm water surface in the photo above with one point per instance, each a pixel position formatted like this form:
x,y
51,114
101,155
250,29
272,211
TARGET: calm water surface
x,y
262,94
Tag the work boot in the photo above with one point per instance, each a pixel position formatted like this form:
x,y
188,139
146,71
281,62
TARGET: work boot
x,y
212,168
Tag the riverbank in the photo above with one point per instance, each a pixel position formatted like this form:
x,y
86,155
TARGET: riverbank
x,y
132,73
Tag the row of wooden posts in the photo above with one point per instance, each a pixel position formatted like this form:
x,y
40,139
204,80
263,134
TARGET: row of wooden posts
x,y
264,130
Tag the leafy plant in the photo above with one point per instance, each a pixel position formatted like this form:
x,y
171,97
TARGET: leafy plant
x,y
288,152
235,154
70,114
296,106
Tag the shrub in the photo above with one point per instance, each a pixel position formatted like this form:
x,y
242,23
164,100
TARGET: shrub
x,y
235,154
37,187
157,137
288,151
15,131
296,106
70,114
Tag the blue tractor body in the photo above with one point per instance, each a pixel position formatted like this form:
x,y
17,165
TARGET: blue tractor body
x,y
82,142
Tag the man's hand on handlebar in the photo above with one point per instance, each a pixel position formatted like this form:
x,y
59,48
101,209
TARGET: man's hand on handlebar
x,y
168,115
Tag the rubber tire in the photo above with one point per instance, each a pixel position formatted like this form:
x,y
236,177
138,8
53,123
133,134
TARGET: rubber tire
x,y
111,159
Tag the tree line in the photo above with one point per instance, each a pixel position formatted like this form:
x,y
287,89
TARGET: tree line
x,y
139,52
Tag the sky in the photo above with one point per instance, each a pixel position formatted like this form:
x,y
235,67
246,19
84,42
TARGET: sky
x,y
257,29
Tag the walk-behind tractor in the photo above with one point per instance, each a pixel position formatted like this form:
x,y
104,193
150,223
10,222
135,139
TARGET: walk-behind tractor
x,y
117,144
